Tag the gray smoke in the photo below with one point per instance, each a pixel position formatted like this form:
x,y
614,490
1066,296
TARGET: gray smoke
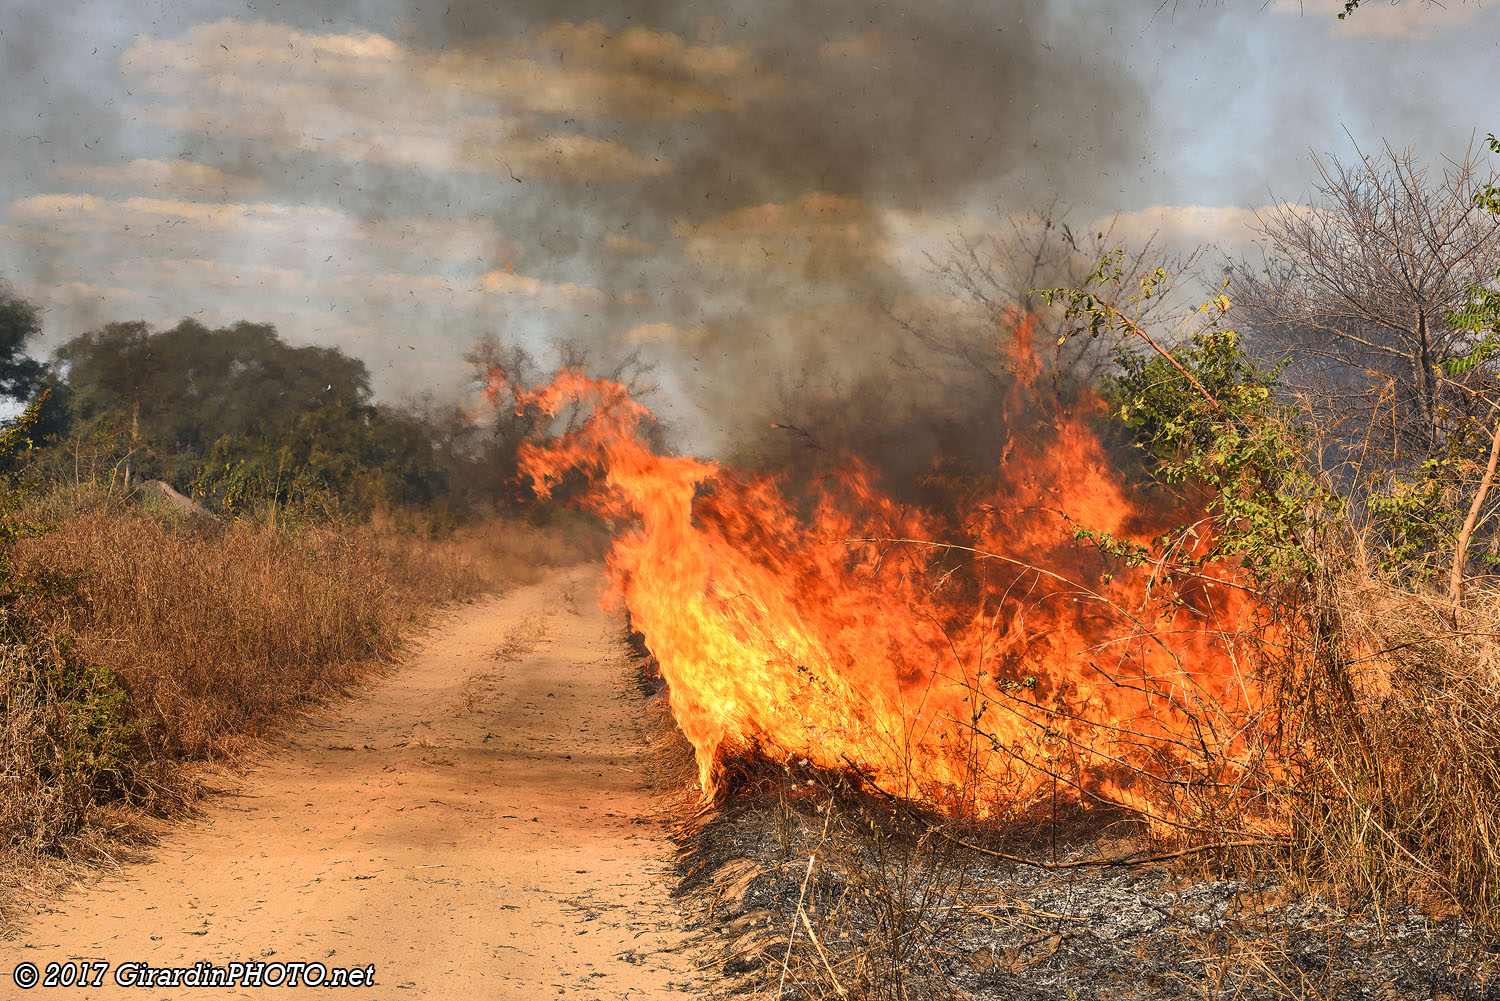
x,y
937,107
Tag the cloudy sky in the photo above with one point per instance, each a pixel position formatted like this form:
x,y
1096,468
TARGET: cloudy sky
x,y
735,189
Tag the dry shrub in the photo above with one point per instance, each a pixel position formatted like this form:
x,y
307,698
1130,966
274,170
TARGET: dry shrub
x,y
1380,774
163,641
45,792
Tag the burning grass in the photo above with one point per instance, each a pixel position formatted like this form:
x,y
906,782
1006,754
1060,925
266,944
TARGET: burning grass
x,y
1293,721
161,642
976,677
809,885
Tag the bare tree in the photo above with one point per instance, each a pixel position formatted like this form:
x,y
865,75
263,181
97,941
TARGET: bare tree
x,y
1355,289
486,442
971,376
998,272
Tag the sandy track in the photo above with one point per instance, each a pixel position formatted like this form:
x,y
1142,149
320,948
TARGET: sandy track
x,y
475,826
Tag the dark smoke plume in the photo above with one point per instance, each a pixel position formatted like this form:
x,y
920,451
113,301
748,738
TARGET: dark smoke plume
x,y
930,110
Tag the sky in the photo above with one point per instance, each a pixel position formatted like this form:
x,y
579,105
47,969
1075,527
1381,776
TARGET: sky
x,y
742,193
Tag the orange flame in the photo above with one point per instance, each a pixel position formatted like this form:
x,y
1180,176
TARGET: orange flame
x,y
840,633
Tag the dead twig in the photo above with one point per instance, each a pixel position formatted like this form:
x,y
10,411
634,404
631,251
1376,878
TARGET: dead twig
x,y
801,896
807,922
1461,550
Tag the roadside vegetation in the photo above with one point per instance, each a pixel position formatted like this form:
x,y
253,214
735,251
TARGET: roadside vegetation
x,y
204,534
1346,445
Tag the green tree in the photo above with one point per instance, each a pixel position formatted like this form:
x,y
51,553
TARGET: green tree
x,y
24,379
1206,417
21,377
236,414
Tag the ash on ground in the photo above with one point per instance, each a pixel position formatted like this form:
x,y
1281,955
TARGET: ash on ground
x,y
888,907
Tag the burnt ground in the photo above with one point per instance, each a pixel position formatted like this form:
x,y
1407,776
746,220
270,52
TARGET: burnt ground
x,y
898,914
890,907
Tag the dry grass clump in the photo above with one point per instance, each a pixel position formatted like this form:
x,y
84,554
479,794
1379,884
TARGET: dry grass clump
x,y
479,557
820,892
1380,775
161,641
879,900
1400,791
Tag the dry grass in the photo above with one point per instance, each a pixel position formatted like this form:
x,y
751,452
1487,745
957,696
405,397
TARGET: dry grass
x,y
165,642
1397,794
879,901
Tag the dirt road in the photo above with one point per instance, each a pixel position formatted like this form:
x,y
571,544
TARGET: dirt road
x,y
475,826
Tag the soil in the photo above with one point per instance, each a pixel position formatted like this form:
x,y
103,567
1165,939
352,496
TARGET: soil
x,y
477,824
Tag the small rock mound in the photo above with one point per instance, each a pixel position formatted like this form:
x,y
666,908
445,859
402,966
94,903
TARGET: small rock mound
x,y
162,496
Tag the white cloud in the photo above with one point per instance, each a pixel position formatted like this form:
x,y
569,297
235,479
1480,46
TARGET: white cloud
x,y
539,294
309,269
1410,20
255,232
1181,227
418,137
45,294
474,109
444,239
172,177
621,243
150,216
198,276
586,69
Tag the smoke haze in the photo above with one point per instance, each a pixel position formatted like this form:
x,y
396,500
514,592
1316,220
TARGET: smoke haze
x,y
744,193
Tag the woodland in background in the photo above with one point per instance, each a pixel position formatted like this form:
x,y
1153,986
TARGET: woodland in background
x,y
237,417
